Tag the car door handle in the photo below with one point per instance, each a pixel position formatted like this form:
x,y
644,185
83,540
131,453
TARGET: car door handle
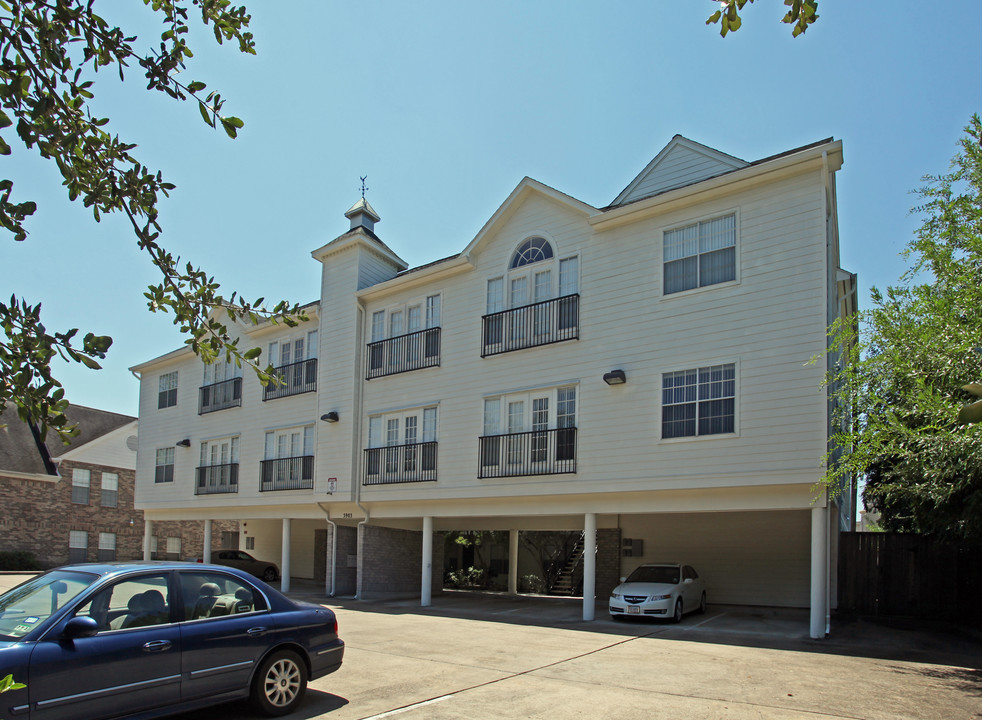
x,y
256,631
157,646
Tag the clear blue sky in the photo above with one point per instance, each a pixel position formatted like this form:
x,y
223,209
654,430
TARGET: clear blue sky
x,y
447,105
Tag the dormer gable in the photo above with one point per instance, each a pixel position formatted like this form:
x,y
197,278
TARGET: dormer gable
x,y
682,162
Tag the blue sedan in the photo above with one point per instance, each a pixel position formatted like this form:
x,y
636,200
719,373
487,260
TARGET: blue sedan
x,y
134,640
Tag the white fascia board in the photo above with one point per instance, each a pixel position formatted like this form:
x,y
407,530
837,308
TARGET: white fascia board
x,y
42,477
514,201
422,276
353,238
173,355
787,165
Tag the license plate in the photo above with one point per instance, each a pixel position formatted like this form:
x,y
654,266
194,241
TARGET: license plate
x,y
633,610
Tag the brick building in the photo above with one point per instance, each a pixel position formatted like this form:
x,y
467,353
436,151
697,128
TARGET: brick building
x,y
74,503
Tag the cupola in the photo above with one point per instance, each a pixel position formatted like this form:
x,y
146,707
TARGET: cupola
x,y
362,214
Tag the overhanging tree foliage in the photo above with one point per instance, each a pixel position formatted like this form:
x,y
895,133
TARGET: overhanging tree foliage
x,y
801,14
50,52
904,387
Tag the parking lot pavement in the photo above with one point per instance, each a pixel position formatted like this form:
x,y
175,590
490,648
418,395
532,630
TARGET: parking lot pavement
x,y
493,656
499,657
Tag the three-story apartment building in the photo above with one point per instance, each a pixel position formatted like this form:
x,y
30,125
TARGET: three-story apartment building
x,y
643,372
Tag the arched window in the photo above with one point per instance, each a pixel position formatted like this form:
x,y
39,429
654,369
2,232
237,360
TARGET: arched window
x,y
531,251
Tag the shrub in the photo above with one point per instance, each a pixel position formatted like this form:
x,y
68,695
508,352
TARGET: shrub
x,y
469,577
532,584
18,560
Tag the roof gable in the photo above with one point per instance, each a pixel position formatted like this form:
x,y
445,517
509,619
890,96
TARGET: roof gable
x,y
682,162
514,201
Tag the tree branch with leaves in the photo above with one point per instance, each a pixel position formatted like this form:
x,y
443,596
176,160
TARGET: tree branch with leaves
x,y
899,396
800,14
50,53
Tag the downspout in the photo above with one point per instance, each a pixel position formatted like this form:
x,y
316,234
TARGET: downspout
x,y
826,191
356,437
334,547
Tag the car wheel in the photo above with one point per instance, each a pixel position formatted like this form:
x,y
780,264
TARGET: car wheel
x,y
280,684
702,604
677,617
269,574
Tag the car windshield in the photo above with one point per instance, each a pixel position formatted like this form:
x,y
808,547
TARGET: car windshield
x,y
657,574
26,606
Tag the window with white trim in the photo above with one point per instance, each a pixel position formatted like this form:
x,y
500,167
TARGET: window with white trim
x,y
107,547
173,548
81,481
288,462
110,490
218,469
402,446
535,277
529,433
700,254
164,468
78,546
699,401
167,390
405,336
295,360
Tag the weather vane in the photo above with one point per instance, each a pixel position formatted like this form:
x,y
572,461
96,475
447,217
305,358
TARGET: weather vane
x,y
364,187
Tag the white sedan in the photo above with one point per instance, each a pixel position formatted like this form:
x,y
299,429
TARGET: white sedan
x,y
667,590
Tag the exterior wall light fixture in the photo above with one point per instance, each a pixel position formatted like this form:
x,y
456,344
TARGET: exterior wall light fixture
x,y
186,442
615,377
331,417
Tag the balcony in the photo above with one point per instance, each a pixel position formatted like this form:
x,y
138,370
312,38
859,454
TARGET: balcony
x,y
400,464
295,473
541,323
295,378
404,353
217,479
219,396
539,452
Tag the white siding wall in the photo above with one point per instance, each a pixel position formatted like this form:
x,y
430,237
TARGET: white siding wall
x,y
770,323
678,168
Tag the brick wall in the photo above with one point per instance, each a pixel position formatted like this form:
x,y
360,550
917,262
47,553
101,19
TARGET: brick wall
x,y
346,575
392,562
37,516
608,561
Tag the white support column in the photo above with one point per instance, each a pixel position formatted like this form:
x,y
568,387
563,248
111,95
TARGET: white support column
x,y
147,534
513,562
206,552
427,574
285,557
589,565
819,577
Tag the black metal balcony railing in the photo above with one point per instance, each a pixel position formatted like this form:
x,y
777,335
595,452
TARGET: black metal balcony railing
x,y
295,378
295,473
220,395
400,464
541,323
216,479
416,350
539,452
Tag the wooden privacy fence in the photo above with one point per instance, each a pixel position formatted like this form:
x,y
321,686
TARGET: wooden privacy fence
x,y
898,575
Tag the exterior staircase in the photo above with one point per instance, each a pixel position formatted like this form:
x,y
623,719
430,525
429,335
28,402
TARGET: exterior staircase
x,y
569,582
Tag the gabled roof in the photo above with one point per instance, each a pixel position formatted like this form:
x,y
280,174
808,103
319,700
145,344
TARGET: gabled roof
x,y
522,191
682,162
19,453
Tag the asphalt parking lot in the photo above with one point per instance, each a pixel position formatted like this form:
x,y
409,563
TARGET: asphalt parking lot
x,y
494,656
473,656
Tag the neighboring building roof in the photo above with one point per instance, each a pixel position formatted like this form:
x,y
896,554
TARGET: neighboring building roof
x,y
19,453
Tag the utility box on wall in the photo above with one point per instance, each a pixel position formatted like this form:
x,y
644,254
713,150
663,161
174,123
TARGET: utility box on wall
x,y
632,547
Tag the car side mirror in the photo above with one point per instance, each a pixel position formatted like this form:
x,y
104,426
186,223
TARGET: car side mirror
x,y
687,581
623,579
80,627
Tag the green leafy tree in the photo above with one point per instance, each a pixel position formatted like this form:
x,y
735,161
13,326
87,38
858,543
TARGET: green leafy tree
x,y
900,396
50,51
801,14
